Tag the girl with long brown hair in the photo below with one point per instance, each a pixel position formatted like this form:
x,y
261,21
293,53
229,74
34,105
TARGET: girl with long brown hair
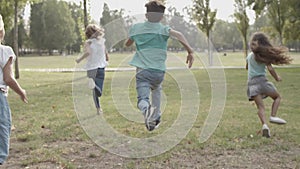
x,y
263,55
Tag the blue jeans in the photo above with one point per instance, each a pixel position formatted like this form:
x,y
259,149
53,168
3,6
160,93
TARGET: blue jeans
x,y
98,76
5,127
149,81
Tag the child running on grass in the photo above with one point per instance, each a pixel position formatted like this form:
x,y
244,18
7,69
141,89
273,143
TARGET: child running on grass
x,y
97,57
151,39
7,79
263,55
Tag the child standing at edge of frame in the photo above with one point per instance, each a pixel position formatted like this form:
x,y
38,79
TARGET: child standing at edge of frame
x,y
263,56
7,79
97,57
151,39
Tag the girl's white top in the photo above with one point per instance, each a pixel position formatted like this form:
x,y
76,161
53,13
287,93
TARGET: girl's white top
x,y
96,58
6,52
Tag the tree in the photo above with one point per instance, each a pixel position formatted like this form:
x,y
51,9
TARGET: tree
x,y
205,19
282,16
15,46
177,22
7,13
225,36
294,8
23,38
37,26
78,17
292,27
292,35
85,13
52,26
261,22
161,1
278,14
242,22
113,20
106,15
258,6
5,8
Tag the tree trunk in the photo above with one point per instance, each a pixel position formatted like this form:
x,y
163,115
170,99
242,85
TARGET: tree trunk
x,y
279,23
16,48
245,46
85,14
210,57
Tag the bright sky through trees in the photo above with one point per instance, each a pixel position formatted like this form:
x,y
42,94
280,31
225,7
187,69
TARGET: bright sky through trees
x,y
133,7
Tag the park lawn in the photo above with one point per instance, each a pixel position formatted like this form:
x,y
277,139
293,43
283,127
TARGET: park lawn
x,y
237,58
122,59
47,132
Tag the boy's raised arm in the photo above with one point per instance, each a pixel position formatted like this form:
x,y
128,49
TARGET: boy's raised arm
x,y
184,42
129,42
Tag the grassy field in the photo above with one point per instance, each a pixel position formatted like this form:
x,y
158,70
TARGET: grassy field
x,y
47,133
116,60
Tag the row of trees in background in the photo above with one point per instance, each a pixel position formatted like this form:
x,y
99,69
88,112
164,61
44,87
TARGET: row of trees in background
x,y
58,26
279,18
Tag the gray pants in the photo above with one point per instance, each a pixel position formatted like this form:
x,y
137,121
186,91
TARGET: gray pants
x,y
149,81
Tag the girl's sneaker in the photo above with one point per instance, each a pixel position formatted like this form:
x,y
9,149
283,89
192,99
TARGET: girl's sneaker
x,y
277,120
99,111
91,83
266,131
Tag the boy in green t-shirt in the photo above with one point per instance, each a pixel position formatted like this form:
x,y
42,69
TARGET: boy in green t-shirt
x,y
151,39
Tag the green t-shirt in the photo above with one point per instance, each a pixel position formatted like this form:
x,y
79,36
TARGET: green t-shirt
x,y
151,45
255,68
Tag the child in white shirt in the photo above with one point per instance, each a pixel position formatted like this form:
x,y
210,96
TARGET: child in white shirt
x,y
97,57
7,79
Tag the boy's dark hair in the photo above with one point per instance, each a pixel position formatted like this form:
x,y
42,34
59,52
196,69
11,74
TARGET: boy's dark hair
x,y
155,11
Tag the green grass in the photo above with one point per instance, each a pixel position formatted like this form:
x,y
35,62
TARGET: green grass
x,y
50,119
237,59
121,60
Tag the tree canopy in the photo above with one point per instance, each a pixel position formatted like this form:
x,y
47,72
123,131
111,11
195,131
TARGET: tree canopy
x,y
52,25
242,21
205,19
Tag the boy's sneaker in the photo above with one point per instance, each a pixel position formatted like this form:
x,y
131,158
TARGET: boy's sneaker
x,y
99,111
157,123
91,83
277,120
151,123
266,131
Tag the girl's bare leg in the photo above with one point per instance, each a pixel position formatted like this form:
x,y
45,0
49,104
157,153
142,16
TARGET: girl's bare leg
x,y
261,108
276,97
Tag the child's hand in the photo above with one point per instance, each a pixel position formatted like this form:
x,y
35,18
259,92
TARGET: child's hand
x,y
278,79
190,59
24,96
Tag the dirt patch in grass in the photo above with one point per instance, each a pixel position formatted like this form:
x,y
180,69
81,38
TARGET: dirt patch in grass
x,y
86,155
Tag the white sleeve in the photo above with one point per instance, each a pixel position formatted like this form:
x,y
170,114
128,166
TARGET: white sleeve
x,y
6,53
